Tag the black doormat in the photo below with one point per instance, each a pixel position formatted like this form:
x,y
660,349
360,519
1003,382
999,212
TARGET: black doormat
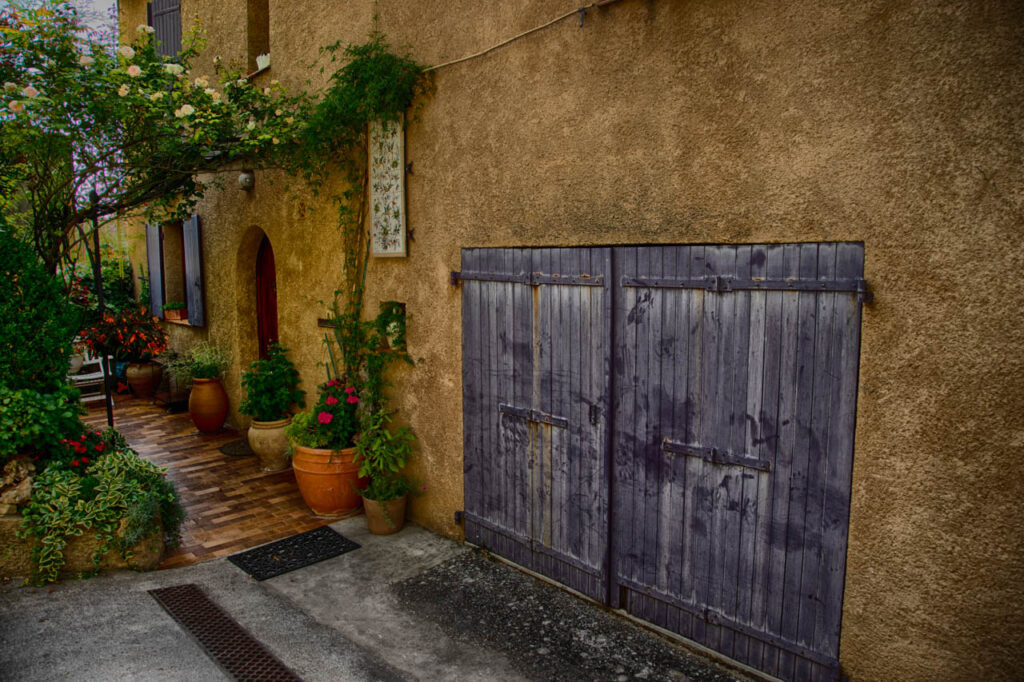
x,y
291,553
237,448
225,641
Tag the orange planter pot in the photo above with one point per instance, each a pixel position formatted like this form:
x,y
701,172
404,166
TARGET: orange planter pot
x,y
144,378
208,404
385,518
328,480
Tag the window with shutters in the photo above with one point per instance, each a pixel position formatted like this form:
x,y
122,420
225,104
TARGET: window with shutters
x,y
175,268
165,18
257,21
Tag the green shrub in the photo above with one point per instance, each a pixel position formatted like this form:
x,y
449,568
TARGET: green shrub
x,y
382,453
37,324
117,486
202,361
34,424
271,387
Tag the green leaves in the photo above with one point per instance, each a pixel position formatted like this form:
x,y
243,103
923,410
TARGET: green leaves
x,y
271,386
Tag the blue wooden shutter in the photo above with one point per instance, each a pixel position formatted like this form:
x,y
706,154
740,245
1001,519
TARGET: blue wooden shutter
x,y
155,261
165,18
193,272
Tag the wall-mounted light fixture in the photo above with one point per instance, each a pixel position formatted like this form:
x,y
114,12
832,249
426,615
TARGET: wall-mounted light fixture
x,y
247,180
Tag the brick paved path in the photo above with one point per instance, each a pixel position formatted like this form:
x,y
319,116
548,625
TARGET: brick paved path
x,y
231,505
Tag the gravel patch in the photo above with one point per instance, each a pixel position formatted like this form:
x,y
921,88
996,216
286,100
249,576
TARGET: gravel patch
x,y
548,633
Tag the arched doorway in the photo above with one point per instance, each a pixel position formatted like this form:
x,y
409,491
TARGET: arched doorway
x,y
266,297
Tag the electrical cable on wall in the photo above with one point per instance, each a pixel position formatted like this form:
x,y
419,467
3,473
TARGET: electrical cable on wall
x,y
581,11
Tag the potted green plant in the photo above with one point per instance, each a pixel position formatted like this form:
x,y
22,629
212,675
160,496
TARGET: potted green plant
x,y
323,451
175,310
271,389
381,453
208,402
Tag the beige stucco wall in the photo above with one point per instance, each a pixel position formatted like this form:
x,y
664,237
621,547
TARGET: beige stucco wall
x,y
898,124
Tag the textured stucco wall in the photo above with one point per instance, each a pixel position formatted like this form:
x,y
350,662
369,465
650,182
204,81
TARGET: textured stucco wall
x,y
898,124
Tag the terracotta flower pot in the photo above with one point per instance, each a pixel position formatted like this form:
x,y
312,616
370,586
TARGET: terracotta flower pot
x,y
328,480
144,378
208,404
268,441
385,518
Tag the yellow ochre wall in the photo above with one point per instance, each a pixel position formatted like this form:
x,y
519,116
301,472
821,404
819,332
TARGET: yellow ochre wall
x,y
898,124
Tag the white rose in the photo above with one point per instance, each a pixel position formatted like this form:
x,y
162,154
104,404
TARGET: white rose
x,y
250,125
16,106
29,91
173,69
134,71
144,28
241,82
156,96
290,120
123,91
274,140
86,60
278,112
187,109
202,82
10,87
126,52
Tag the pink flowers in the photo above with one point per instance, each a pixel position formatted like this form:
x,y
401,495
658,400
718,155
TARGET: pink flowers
x,y
333,382
331,400
325,417
350,390
352,400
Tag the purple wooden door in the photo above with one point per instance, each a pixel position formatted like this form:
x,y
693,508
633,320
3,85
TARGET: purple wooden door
x,y
535,397
722,460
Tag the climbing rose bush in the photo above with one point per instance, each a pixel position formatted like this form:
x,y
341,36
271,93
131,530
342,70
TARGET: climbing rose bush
x,y
77,113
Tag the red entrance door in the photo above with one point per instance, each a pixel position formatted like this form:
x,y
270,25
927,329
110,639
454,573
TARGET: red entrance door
x,y
266,297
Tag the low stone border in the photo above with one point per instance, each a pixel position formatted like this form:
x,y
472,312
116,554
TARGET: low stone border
x,y
15,552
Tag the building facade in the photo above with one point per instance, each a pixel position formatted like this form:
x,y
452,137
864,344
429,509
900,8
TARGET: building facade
x,y
894,127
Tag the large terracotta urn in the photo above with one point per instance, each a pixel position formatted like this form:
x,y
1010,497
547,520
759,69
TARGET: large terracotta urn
x,y
208,404
144,378
328,480
268,441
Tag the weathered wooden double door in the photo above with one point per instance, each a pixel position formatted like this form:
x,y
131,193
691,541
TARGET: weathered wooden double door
x,y
669,430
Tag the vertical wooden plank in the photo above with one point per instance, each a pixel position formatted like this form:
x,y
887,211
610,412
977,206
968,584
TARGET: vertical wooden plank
x,y
784,437
648,445
602,333
471,399
800,443
668,354
489,358
721,483
155,263
836,505
702,486
523,372
755,484
623,436
680,622
504,454
640,321
737,509
561,442
817,441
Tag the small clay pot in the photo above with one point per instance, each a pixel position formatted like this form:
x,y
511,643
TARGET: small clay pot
x,y
328,480
144,378
268,441
208,404
385,518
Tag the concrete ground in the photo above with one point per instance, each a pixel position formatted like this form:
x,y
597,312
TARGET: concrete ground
x,y
412,606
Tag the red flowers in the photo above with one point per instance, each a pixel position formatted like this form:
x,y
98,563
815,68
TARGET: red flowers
x,y
350,390
331,400
352,399
325,417
333,382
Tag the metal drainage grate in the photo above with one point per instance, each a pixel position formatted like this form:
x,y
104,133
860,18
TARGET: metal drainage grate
x,y
223,639
292,553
